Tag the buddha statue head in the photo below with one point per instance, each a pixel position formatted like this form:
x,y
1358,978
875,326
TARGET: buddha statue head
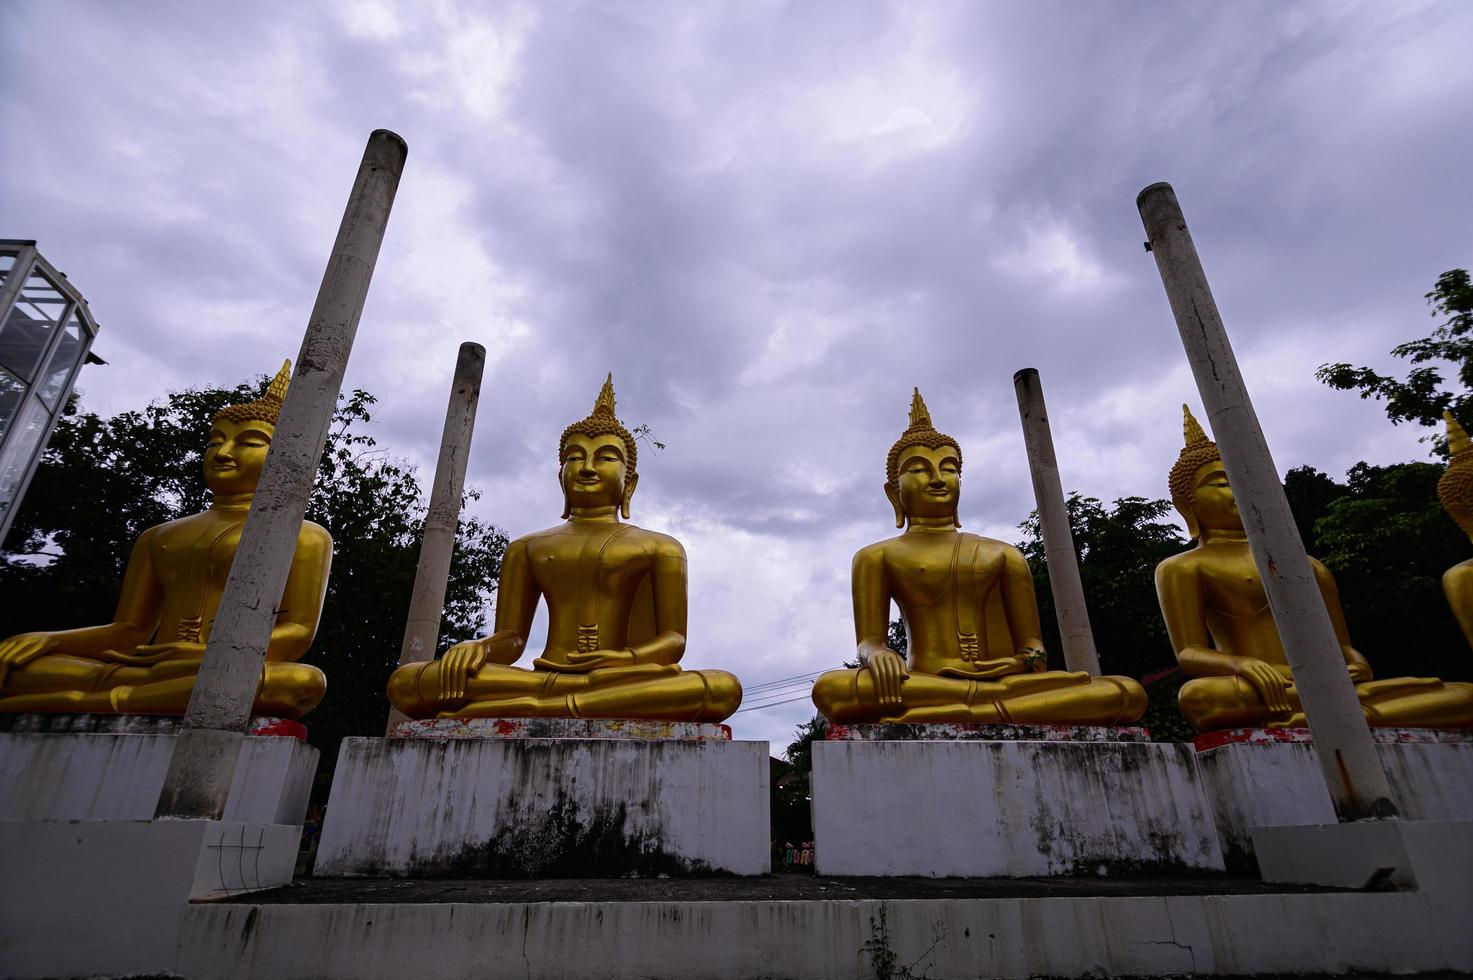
x,y
923,471
597,459
1455,489
240,436
1199,484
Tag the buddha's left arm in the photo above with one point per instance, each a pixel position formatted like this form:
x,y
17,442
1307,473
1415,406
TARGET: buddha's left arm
x,y
668,583
1019,603
1360,668
301,600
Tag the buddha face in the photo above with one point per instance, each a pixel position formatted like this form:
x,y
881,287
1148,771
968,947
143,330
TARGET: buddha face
x,y
593,472
930,482
1212,500
235,454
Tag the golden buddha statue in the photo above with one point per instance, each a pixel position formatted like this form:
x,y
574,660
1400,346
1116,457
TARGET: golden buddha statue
x,y
146,659
1218,617
970,615
616,603
1455,490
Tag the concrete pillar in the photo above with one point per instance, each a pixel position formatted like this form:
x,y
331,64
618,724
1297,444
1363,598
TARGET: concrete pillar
x,y
205,751
1357,783
1053,517
427,602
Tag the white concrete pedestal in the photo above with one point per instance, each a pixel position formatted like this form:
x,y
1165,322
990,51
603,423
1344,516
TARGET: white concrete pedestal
x,y
1435,857
104,898
840,938
986,808
111,770
1266,778
506,807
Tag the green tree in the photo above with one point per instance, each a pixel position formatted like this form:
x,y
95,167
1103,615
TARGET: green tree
x,y
799,752
1421,396
103,481
1118,548
1387,540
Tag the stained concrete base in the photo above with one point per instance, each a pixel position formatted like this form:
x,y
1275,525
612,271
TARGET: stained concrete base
x,y
106,776
837,939
539,807
977,809
621,728
103,898
1433,856
1266,784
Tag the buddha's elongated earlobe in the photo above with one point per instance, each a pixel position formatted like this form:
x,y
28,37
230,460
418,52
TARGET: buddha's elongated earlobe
x,y
956,518
894,496
567,504
629,484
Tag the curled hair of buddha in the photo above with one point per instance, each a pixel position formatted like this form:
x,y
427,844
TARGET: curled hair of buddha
x,y
920,433
1455,489
267,408
603,422
1197,453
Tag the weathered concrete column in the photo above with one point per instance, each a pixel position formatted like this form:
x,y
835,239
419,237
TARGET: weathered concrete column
x,y
209,741
427,602
1356,781
1053,517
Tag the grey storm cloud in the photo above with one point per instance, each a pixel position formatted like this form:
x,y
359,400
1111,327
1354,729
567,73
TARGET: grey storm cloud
x,y
770,221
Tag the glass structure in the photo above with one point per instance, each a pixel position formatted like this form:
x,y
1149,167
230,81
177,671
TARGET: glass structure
x,y
46,332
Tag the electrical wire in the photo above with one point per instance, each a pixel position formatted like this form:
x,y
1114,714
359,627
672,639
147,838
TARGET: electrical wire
x,y
771,704
785,681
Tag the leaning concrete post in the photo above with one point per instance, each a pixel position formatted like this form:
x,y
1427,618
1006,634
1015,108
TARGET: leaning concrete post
x,y
205,751
427,601
1053,517
1353,772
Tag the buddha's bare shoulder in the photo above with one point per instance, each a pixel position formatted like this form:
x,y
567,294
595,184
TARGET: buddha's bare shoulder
x,y
314,534
655,541
987,544
530,539
1183,565
872,553
177,524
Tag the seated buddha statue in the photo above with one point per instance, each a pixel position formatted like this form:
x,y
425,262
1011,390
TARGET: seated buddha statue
x,y
970,614
146,659
1455,490
1220,625
616,607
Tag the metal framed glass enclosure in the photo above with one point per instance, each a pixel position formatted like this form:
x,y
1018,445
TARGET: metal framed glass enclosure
x,y
46,331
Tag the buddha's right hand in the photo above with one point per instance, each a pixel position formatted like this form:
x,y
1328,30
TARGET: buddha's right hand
x,y
458,664
1271,685
21,649
887,670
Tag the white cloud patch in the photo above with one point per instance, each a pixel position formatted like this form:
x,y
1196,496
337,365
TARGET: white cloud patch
x,y
1052,256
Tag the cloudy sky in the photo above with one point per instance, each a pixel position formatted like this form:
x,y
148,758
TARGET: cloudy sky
x,y
769,220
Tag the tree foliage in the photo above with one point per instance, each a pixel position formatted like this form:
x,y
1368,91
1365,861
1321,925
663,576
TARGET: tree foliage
x,y
103,481
1421,397
1387,540
1118,548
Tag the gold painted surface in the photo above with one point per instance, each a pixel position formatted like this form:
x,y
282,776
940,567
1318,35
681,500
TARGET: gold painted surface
x,y
146,659
1217,615
970,616
616,601
1455,490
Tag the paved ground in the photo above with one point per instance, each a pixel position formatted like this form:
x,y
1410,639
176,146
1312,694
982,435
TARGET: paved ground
x,y
778,887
